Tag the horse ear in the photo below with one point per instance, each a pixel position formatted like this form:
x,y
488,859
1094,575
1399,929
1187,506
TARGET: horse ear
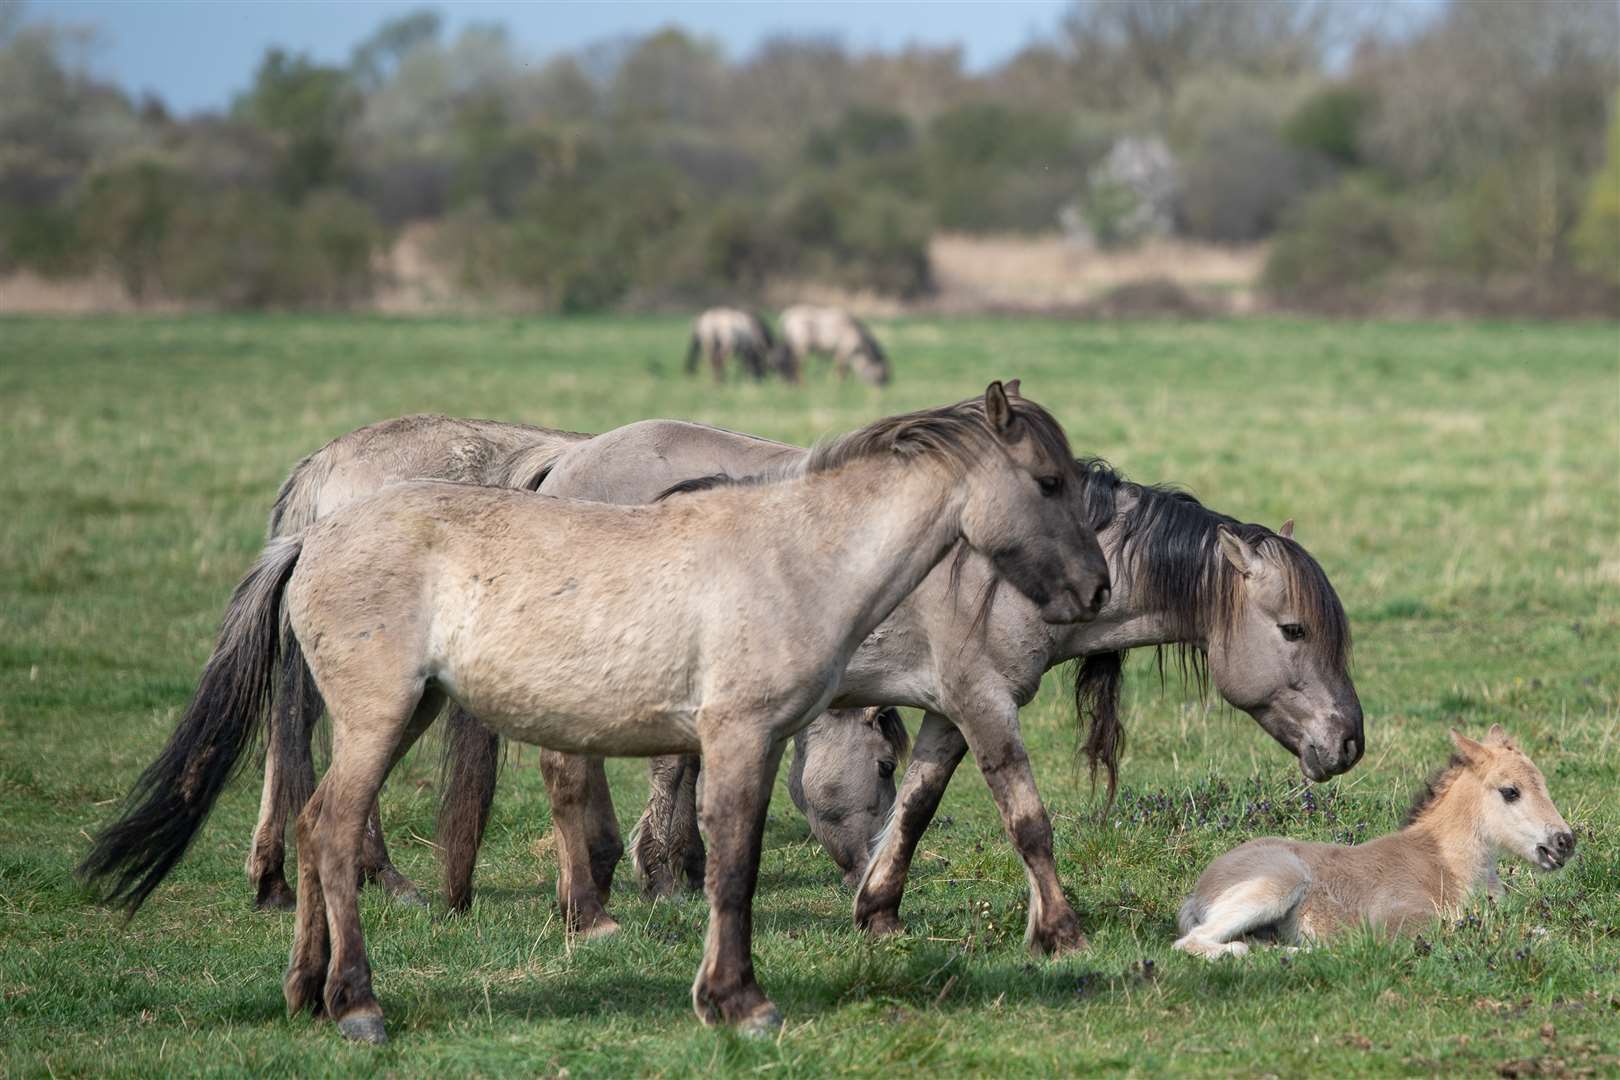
x,y
1287,530
1012,388
1471,751
1497,736
1237,551
996,408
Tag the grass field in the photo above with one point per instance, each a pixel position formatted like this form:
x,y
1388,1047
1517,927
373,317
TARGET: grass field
x,y
1461,485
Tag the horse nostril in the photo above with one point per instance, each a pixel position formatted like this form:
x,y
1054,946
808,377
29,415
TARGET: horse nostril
x,y
1565,842
1350,751
1099,598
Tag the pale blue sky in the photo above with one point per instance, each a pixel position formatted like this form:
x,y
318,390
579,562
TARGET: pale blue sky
x,y
195,54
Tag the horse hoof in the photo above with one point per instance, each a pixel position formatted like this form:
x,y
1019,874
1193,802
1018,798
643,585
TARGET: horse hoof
x,y
600,927
363,1029
275,896
409,898
882,924
763,1024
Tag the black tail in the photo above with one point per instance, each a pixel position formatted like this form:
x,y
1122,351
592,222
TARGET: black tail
x,y
296,710
1097,680
692,352
171,800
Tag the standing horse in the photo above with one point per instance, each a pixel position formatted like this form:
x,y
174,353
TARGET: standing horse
x,y
1250,604
836,333
343,472
723,332
1491,798
719,622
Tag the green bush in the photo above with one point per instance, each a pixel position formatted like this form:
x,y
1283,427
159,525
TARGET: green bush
x,y
124,220
1597,236
1337,244
1329,123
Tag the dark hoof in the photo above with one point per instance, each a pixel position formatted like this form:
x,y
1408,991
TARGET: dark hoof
x,y
881,924
363,1029
409,898
275,896
763,1024
1058,943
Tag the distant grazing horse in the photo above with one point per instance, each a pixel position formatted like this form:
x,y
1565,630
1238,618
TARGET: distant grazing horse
x,y
343,472
723,332
718,622
1250,604
1491,798
836,333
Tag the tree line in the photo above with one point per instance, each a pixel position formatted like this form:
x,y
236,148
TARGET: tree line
x,y
1476,156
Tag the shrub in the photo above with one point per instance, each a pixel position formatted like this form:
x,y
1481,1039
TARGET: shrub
x,y
1597,236
1337,244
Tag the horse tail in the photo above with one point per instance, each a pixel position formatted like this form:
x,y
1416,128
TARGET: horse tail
x,y
1097,680
467,772
172,798
296,505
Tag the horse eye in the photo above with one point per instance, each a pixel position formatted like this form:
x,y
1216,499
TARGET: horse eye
x,y
1051,485
1510,794
885,769
1291,631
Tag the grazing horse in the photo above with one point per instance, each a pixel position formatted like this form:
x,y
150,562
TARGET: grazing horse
x,y
342,472
1249,606
719,622
841,779
1491,798
723,332
836,333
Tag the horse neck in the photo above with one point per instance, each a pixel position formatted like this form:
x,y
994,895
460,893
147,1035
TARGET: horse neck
x,y
1447,830
875,528
1127,622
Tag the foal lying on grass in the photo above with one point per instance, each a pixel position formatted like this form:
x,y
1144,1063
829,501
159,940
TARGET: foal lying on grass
x,y
1490,798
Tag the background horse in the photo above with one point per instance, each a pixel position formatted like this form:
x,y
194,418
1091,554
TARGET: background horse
x,y
836,333
723,332
429,589
1491,798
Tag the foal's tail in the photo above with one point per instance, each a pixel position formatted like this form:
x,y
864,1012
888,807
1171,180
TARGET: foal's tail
x,y
171,800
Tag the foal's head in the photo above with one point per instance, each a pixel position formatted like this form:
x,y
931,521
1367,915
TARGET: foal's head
x,y
1018,511
1506,795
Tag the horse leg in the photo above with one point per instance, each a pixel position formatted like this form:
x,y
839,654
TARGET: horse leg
x,y
303,984
567,778
376,866
934,758
1053,926
1269,900
740,759
363,753
605,844
289,779
467,790
717,361
694,857
652,840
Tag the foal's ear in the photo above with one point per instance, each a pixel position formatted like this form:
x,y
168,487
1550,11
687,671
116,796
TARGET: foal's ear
x,y
1471,751
1497,736
996,408
1287,530
1012,388
1237,551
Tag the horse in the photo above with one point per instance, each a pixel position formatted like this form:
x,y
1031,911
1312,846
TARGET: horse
x,y
717,623
1490,798
342,472
841,779
722,332
504,455
1251,610
836,333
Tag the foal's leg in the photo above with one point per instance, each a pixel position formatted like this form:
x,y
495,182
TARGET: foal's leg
x,y
1053,926
934,758
364,750
1271,900
740,762
568,784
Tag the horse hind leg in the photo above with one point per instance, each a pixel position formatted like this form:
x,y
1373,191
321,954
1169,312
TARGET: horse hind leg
x,y
689,845
467,791
289,779
1250,905
568,784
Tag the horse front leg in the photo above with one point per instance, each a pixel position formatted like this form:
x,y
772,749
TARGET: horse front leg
x,y
739,760
568,784
939,749
1053,926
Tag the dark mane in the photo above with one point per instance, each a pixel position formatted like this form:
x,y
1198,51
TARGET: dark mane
x,y
1434,787
1170,557
893,730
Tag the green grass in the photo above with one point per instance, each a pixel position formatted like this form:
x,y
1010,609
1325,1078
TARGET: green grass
x,y
1461,484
